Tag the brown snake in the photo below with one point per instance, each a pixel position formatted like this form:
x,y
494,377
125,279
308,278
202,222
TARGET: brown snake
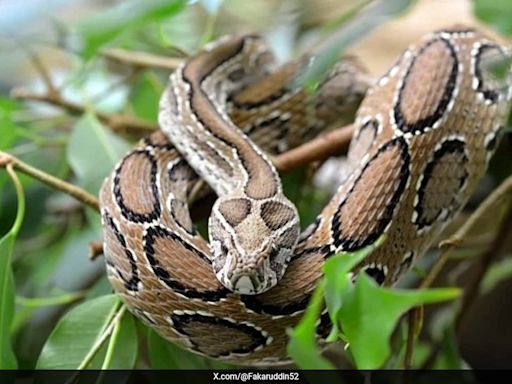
x,y
425,132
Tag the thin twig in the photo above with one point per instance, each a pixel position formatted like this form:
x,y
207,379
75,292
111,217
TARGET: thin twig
x,y
117,122
415,318
142,59
448,245
126,80
103,337
43,72
52,181
503,191
483,265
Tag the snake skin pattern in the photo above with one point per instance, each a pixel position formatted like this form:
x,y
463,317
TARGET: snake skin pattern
x,y
425,132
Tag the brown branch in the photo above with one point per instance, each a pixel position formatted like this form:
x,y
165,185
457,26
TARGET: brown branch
x,y
141,59
415,319
117,122
318,149
503,191
52,181
43,72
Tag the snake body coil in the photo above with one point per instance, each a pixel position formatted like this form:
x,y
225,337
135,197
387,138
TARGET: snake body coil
x,y
425,132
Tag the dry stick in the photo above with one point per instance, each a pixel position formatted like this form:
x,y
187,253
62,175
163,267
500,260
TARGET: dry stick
x,y
414,318
142,59
43,71
485,262
448,245
52,181
503,191
117,122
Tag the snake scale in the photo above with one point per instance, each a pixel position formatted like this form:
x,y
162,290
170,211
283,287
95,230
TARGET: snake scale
x,y
425,132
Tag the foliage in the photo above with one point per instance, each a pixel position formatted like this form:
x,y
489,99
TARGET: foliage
x,y
108,148
96,334
363,314
56,306
496,13
7,357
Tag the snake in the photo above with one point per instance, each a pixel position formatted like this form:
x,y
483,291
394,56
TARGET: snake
x,y
424,134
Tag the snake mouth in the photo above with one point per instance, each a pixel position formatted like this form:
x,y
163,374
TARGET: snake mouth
x,y
247,285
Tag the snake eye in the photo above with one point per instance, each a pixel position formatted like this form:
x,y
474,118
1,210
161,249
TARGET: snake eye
x,y
237,75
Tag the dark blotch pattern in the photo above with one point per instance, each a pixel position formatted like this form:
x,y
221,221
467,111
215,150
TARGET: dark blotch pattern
x,y
150,237
434,71
203,334
356,224
376,273
131,212
488,84
235,211
276,215
132,283
443,179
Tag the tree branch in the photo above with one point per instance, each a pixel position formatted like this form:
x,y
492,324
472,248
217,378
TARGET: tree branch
x,y
503,191
117,122
483,265
141,59
321,148
52,181
43,72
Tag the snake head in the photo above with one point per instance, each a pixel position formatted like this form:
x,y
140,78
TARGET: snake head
x,y
252,242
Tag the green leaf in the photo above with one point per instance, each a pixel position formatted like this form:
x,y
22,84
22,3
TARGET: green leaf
x,y
127,15
7,292
123,345
93,151
37,302
370,313
302,346
8,127
338,278
449,357
145,96
76,334
496,13
499,272
338,282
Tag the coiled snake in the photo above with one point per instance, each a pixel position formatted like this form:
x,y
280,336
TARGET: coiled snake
x,y
424,134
